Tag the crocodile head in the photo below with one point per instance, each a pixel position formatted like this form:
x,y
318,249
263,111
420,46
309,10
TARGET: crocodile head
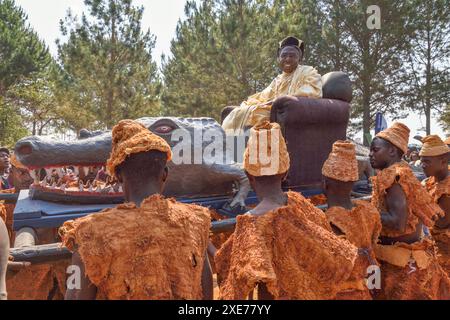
x,y
70,169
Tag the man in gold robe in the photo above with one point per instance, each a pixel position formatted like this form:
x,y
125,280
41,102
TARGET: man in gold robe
x,y
295,80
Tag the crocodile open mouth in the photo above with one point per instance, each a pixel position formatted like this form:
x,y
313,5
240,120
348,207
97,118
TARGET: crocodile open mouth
x,y
73,184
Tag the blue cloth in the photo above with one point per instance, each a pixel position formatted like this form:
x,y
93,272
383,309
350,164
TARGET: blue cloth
x,y
380,123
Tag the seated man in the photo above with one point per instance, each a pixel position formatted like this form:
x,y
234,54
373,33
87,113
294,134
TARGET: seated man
x,y
434,156
20,175
358,221
296,80
150,247
408,261
284,246
4,169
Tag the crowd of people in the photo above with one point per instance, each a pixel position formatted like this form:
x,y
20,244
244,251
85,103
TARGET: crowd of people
x,y
285,247
395,246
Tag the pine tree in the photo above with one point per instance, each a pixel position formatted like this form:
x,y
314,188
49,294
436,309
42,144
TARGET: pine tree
x,y
372,57
444,119
21,54
107,68
34,98
223,52
428,60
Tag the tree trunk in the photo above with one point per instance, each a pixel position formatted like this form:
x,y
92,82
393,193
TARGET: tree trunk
x,y
428,81
110,97
366,116
366,87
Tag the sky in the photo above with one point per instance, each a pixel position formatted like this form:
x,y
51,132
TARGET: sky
x,y
161,16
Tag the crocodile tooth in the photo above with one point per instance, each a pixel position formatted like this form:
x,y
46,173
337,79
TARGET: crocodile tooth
x,y
76,170
85,170
32,174
48,171
120,189
36,178
90,188
81,187
63,187
60,173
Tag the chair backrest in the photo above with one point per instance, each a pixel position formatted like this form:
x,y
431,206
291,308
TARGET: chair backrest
x,y
311,126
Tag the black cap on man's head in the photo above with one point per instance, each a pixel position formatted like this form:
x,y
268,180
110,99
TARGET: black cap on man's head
x,y
4,149
292,42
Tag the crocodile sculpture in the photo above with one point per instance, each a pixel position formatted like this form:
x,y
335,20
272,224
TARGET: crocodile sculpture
x,y
197,176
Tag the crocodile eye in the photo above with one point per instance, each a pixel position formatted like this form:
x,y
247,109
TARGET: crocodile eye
x,y
163,129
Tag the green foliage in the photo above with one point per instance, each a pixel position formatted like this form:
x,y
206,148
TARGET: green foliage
x,y
106,68
22,53
21,50
223,52
34,98
11,126
428,61
226,50
444,119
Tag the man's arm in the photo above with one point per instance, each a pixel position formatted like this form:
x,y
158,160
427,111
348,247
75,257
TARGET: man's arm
x,y
207,280
4,254
444,203
396,217
87,291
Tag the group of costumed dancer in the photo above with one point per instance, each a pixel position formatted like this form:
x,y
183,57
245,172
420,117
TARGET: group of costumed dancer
x,y
152,247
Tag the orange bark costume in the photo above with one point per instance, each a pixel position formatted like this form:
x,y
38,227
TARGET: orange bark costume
x,y
433,146
6,213
441,236
361,225
155,251
39,282
409,271
36,282
421,206
292,249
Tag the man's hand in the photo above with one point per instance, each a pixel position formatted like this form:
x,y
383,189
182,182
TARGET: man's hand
x,y
17,266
